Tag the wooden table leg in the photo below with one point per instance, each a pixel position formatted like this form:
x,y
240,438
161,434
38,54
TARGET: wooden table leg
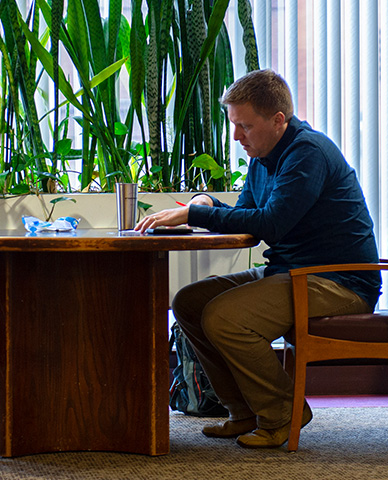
x,y
84,352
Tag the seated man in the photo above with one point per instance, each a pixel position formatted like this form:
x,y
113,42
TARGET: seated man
x,y
304,201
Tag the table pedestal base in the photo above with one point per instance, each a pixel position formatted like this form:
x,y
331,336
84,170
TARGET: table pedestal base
x,y
83,352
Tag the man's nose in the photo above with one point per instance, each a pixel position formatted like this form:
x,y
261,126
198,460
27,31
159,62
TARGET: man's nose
x,y
238,134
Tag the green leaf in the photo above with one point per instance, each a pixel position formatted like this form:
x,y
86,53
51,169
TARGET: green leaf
x,y
42,175
20,189
218,173
64,146
120,128
143,205
205,162
77,31
113,174
106,73
137,48
62,199
235,176
96,35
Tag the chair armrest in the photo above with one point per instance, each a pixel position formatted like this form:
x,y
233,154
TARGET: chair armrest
x,y
382,265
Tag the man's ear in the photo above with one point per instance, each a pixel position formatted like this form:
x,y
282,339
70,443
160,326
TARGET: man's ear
x,y
279,119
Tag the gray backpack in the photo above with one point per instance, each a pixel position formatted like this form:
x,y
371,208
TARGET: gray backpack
x,y
191,392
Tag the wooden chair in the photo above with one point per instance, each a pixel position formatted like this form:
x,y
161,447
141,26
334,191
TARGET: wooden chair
x,y
328,338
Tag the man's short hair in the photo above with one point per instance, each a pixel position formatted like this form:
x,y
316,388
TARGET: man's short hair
x,y
265,90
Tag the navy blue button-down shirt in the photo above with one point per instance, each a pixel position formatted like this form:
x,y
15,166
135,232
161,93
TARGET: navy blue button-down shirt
x,y
304,201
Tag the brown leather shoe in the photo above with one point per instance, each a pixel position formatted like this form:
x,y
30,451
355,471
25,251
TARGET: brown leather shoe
x,y
230,429
272,438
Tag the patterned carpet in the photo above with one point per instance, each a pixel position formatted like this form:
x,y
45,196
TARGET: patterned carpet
x,y
340,443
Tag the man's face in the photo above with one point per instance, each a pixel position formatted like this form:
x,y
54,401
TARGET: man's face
x,y
257,134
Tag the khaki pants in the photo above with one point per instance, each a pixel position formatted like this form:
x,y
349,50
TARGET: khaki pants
x,y
231,321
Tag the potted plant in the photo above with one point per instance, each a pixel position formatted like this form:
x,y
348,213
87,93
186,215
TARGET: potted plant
x,y
178,63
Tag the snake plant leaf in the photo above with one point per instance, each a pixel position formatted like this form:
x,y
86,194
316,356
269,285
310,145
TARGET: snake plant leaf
x,y
223,77
249,38
78,34
35,29
138,69
12,86
166,19
100,35
98,53
45,9
114,21
96,80
77,29
21,56
214,25
137,52
56,19
3,5
124,40
199,27
47,62
153,87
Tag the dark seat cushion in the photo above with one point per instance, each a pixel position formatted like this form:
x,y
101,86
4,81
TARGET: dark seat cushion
x,y
367,327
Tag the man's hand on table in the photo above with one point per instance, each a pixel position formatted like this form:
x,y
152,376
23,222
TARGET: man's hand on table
x,y
172,217
165,218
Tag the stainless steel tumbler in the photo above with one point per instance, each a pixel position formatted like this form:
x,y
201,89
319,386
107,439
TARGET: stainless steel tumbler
x,y
126,200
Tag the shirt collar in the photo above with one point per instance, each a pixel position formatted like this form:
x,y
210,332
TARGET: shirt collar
x,y
271,160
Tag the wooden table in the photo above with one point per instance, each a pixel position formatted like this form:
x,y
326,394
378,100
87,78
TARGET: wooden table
x,y
84,361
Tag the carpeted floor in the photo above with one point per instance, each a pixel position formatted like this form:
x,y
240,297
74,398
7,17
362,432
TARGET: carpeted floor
x,y
340,443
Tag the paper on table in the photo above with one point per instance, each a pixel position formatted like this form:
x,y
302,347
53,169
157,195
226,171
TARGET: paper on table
x,y
62,224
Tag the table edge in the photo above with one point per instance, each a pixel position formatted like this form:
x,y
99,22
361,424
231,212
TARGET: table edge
x,y
114,242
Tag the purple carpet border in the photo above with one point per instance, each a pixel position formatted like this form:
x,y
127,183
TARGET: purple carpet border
x,y
359,401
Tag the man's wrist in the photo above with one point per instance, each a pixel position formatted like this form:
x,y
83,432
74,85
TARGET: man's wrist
x,y
199,215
